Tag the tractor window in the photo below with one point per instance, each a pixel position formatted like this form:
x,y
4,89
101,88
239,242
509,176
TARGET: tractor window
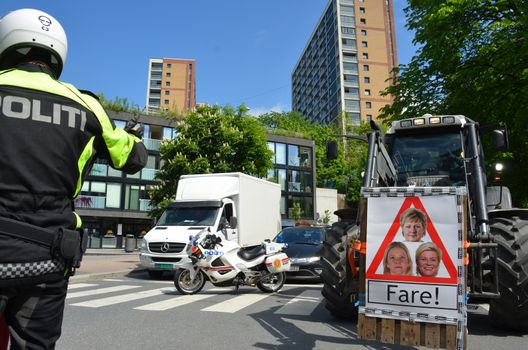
x,y
428,159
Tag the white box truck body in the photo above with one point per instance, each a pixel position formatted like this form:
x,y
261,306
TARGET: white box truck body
x,y
246,207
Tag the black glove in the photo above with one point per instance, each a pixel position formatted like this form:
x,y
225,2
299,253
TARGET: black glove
x,y
135,129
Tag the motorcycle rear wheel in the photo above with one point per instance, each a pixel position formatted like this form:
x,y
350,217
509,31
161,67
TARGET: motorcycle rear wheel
x,y
272,282
184,284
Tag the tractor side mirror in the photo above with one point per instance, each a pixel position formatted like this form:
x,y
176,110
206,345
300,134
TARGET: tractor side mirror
x,y
331,150
500,140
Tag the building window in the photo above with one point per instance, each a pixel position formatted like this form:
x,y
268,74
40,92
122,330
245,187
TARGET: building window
x,y
167,92
362,21
366,68
169,65
363,32
280,153
168,133
347,30
367,92
361,10
168,74
166,102
366,80
365,56
299,156
167,83
113,195
369,117
364,44
368,105
299,181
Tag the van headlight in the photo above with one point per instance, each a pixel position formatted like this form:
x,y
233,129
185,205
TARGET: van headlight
x,y
143,248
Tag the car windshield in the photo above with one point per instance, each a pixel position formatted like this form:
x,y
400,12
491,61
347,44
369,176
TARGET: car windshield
x,y
203,216
438,155
310,235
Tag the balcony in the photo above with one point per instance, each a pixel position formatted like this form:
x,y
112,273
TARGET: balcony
x,y
144,205
148,174
91,202
99,170
152,144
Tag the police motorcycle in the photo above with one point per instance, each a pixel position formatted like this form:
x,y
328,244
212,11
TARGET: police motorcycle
x,y
224,263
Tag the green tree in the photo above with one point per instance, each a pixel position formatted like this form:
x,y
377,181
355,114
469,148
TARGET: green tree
x,y
211,140
344,173
472,60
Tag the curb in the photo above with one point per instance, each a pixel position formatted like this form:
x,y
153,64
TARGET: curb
x,y
95,276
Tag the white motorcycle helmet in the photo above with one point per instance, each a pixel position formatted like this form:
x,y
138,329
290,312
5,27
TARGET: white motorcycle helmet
x,y
32,33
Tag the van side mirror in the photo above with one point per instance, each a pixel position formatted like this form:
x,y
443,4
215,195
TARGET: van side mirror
x,y
500,140
233,222
331,150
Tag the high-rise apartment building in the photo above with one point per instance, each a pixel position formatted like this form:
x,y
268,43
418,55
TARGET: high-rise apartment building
x,y
346,63
171,85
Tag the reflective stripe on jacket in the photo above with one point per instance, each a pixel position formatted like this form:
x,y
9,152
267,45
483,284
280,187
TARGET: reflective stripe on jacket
x,y
50,135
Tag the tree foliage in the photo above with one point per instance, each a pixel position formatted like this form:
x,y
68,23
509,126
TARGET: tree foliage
x,y
344,173
211,140
472,60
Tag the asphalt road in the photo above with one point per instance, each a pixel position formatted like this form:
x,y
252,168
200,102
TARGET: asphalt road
x,y
140,313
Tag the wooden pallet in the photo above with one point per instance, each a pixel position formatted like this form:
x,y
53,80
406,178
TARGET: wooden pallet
x,y
431,335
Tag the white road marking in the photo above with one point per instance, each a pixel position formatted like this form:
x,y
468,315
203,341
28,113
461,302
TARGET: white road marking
x,y
312,286
174,302
99,291
301,305
237,303
80,285
123,298
113,280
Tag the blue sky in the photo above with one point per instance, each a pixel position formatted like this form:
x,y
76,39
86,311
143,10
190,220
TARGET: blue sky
x,y
245,50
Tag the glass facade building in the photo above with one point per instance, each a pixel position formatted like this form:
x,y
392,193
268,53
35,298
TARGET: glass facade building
x,y
113,204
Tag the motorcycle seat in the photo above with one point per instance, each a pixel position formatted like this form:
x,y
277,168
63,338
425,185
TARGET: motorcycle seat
x,y
250,253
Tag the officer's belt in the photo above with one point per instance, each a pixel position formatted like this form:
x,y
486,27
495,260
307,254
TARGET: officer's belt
x,y
32,233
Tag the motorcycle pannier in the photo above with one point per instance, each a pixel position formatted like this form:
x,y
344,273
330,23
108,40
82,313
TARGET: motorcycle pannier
x,y
278,263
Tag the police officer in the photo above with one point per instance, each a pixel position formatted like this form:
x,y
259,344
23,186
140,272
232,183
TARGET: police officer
x,y
50,134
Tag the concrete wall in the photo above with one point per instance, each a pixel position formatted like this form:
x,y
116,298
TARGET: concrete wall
x,y
326,199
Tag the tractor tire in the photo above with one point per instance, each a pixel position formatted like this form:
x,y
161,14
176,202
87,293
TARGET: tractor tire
x,y
339,286
510,311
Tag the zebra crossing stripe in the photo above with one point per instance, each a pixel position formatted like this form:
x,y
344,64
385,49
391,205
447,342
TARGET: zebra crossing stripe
x,y
123,298
98,291
80,285
173,303
237,303
301,305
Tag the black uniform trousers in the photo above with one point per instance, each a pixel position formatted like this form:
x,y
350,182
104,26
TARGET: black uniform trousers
x,y
34,314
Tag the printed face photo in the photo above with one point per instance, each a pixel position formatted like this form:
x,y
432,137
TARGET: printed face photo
x,y
398,262
413,231
428,263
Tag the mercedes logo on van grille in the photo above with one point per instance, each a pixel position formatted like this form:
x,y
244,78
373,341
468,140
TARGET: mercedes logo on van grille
x,y
165,247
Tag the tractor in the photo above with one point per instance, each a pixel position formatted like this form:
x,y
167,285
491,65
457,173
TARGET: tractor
x,y
439,150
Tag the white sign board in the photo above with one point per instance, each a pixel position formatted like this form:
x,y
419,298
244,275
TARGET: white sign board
x,y
414,256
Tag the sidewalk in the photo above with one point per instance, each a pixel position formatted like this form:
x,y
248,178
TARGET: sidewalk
x,y
107,263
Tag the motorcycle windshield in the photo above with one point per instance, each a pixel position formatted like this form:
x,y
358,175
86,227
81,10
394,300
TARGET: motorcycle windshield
x,y
195,216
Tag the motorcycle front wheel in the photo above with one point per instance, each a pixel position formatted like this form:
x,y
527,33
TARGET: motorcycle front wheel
x,y
272,282
184,284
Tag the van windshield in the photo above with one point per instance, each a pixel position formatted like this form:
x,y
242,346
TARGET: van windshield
x,y
202,216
